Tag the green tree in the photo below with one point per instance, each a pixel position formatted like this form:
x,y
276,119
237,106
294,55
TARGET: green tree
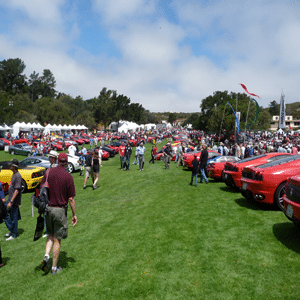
x,y
104,107
35,86
172,118
49,83
11,78
274,108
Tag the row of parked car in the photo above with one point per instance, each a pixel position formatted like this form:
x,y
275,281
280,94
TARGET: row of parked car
x,y
272,178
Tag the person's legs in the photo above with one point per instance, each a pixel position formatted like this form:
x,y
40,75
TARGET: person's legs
x,y
55,252
96,178
203,176
11,220
128,163
49,245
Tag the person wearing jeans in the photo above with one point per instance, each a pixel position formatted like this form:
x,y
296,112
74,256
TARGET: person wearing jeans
x,y
203,164
195,170
13,201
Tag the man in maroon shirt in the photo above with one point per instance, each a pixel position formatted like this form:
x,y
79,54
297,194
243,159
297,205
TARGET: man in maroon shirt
x,y
61,191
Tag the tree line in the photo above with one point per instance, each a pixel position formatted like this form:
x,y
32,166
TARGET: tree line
x,y
35,99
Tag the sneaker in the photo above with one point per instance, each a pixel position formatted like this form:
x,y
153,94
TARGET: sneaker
x,y
10,238
45,264
58,269
84,187
94,187
206,182
8,234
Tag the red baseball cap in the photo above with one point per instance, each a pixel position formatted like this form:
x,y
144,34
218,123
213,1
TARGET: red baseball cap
x,y
63,157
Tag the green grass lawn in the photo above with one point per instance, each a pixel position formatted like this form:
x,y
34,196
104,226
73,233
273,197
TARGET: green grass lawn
x,y
149,235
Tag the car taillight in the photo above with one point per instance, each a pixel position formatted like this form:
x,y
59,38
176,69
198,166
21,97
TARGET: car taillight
x,y
258,176
34,175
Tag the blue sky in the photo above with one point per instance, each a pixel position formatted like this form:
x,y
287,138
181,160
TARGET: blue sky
x,y
166,55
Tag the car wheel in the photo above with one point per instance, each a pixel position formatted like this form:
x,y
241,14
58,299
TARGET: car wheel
x,y
28,154
55,148
278,196
24,186
223,176
70,168
12,152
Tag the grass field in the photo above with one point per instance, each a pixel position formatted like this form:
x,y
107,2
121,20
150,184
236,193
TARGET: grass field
x,y
149,235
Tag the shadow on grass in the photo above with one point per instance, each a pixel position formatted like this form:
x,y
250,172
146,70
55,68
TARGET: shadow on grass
x,y
5,260
229,189
243,202
287,234
20,231
63,261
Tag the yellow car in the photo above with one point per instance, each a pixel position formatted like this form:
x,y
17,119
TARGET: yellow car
x,y
31,176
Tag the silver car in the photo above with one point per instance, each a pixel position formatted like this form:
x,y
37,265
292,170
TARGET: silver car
x,y
39,161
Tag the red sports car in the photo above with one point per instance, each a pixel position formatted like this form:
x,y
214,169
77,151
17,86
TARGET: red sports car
x,y
215,168
233,171
56,146
266,183
19,141
189,157
291,200
105,154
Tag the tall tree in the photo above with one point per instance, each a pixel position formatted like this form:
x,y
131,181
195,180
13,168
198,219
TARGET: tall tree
x,y
49,83
11,78
35,86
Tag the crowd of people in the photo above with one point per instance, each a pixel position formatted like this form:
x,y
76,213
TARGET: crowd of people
x,y
61,183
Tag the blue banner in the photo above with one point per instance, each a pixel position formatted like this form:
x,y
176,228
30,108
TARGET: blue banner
x,y
236,119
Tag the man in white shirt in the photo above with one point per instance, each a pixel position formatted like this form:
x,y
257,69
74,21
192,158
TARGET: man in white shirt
x,y
72,150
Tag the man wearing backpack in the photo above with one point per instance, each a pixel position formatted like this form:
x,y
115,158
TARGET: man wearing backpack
x,y
61,191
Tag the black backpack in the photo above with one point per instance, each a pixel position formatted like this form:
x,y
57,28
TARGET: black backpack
x,y
41,201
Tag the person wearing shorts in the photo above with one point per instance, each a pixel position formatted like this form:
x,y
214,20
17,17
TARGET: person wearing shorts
x,y
88,169
61,191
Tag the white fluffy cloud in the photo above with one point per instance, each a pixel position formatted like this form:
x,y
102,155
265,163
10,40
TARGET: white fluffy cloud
x,y
165,63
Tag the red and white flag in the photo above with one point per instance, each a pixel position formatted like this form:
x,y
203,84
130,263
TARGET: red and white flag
x,y
244,87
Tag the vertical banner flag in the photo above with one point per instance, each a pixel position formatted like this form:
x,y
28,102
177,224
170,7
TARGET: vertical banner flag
x,y
236,119
282,112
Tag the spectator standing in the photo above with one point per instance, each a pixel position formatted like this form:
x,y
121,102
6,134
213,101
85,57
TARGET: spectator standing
x,y
136,157
88,168
91,142
13,201
180,154
81,161
168,155
203,164
122,154
128,152
72,150
61,191
152,155
195,170
141,152
96,168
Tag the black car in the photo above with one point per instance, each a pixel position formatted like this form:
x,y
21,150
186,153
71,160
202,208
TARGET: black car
x,y
111,151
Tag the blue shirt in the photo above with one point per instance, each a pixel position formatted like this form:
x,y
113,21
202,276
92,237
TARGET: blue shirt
x,y
141,150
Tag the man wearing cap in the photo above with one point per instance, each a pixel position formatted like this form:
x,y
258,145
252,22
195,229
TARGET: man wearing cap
x,y
13,201
61,191
168,155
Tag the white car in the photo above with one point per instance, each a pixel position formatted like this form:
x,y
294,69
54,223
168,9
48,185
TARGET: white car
x,y
73,164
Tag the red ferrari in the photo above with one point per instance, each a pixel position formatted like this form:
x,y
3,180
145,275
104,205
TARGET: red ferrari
x,y
233,171
266,183
189,157
216,167
291,200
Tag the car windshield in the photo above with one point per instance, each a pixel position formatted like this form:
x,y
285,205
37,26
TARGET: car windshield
x,y
280,161
251,158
